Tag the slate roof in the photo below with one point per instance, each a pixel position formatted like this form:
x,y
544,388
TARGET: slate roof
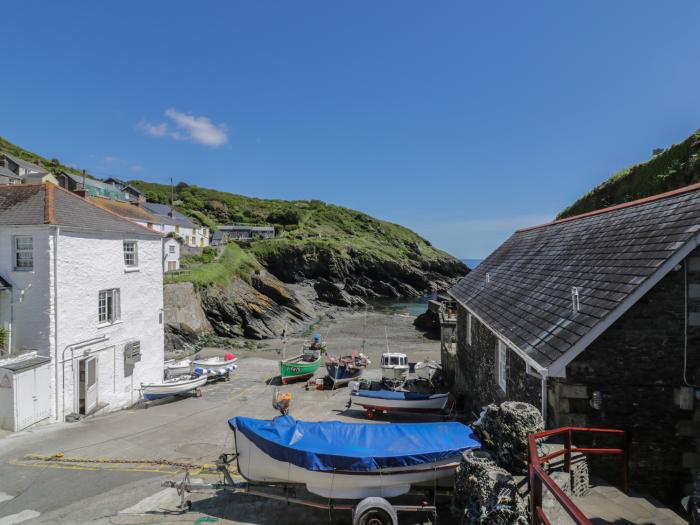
x,y
6,172
33,204
126,209
523,290
30,166
163,211
4,285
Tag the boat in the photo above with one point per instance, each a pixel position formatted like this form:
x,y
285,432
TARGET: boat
x,y
428,370
398,401
214,362
304,365
215,373
342,370
394,369
171,387
341,460
178,368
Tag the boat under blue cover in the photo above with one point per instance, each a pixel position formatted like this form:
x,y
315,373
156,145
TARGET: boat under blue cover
x,y
394,394
359,447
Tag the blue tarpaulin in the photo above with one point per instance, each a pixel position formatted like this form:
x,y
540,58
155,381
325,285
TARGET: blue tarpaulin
x,y
334,445
392,394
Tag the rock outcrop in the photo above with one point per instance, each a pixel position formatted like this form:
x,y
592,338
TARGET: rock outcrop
x,y
257,310
185,320
334,293
362,275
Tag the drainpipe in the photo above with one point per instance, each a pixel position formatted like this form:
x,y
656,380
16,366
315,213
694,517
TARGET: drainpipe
x,y
544,397
57,233
72,348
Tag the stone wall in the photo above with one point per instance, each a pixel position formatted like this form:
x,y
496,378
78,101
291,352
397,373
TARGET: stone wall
x,y
637,366
475,383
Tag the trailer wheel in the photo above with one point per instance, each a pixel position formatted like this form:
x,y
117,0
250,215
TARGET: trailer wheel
x,y
375,511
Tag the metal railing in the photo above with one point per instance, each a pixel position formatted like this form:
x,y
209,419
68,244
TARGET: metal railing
x,y
539,476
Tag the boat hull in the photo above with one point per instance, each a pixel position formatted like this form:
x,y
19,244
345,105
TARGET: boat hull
x,y
258,467
341,374
167,389
434,404
291,371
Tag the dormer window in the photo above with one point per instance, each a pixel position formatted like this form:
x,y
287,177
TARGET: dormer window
x,y
131,254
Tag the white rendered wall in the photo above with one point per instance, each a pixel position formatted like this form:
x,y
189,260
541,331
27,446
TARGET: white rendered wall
x,y
88,263
31,290
167,256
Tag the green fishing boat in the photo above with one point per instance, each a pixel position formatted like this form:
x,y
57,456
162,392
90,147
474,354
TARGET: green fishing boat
x,y
304,365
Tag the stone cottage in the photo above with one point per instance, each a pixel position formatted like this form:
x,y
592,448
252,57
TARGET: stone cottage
x,y
595,319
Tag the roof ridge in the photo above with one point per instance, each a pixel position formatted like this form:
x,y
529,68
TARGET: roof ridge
x,y
637,202
149,230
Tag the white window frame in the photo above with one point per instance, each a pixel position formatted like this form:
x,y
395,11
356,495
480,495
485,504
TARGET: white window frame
x,y
469,329
129,253
16,251
104,315
501,364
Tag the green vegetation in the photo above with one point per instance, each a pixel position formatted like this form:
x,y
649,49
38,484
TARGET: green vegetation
x,y
4,337
313,224
205,270
674,167
52,165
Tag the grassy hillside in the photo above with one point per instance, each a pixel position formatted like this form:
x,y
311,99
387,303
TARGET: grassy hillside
x,y
53,165
675,167
313,223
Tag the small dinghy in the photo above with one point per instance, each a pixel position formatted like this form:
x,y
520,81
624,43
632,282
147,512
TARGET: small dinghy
x,y
171,387
342,370
428,370
349,460
215,362
178,368
215,373
397,401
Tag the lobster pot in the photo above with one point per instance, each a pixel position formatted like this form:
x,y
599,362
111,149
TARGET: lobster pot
x,y
486,493
504,429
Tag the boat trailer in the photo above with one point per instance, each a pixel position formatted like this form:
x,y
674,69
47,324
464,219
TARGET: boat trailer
x,y
368,511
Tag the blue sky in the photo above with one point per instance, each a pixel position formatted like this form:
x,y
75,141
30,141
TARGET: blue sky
x,y
462,120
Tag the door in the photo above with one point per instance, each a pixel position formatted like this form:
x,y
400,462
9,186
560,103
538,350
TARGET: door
x,y
24,399
42,393
88,385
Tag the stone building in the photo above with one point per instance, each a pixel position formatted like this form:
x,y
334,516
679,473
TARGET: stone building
x,y
595,319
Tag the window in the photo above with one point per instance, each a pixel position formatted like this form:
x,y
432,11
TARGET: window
x,y
172,265
109,308
171,248
394,360
177,229
24,252
501,357
130,254
469,328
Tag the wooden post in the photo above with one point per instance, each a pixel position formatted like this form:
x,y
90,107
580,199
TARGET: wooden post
x,y
567,454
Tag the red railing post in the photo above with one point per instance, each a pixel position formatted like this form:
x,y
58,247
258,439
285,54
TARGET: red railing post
x,y
567,454
535,496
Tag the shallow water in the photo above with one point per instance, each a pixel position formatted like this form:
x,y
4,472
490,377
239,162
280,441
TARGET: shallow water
x,y
405,305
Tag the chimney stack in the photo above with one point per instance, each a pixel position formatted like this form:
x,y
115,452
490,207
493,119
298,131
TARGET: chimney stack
x,y
81,193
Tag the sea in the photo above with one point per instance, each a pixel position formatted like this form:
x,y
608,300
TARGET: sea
x,y
412,306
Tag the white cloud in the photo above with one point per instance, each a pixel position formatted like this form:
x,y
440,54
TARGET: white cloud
x,y
184,126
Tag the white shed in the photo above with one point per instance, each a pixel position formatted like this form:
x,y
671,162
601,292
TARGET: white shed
x,y
25,384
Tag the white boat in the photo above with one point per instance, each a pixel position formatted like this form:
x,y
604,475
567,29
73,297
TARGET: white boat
x,y
171,387
428,370
394,369
398,401
349,460
178,368
214,362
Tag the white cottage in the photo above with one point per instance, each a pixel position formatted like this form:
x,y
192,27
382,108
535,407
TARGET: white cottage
x,y
84,287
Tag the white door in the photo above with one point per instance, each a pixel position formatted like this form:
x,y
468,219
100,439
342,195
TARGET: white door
x,y
42,389
24,399
88,385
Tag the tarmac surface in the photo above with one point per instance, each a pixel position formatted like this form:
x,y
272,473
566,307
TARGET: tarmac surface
x,y
112,466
